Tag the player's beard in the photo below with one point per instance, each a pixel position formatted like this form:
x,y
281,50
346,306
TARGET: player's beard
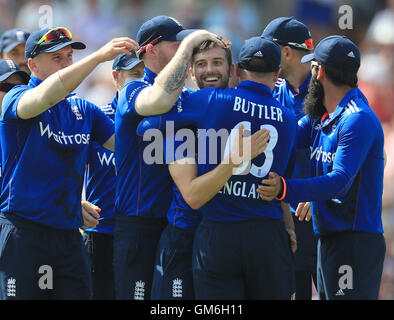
x,y
313,102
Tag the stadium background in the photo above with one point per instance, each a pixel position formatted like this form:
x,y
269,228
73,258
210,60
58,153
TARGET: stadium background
x,y
95,22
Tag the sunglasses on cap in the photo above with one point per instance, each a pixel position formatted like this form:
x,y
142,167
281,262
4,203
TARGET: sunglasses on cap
x,y
307,45
7,86
142,49
52,35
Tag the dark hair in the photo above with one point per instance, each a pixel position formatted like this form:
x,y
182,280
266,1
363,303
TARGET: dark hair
x,y
256,65
208,44
340,77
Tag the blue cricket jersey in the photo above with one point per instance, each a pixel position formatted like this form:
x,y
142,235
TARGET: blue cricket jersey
x,y
142,189
100,178
294,100
221,110
44,158
347,164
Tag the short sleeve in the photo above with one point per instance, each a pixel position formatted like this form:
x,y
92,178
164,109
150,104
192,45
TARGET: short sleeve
x,y
10,103
102,127
127,97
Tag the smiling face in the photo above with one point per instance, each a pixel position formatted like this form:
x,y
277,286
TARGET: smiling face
x,y
210,68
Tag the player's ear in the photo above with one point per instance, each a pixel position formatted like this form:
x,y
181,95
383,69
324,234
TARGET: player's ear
x,y
115,75
287,53
232,70
237,70
33,66
321,73
192,74
149,48
276,76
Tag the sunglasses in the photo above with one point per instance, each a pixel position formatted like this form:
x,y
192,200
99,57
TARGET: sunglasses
x,y
142,49
307,45
54,34
7,86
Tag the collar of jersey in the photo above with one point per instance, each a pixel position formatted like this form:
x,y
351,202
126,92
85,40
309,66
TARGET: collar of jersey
x,y
34,82
114,102
304,86
339,109
149,75
303,89
255,85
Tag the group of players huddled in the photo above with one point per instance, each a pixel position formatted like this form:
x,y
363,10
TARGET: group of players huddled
x,y
270,179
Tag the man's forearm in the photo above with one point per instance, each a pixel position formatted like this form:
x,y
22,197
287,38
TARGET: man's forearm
x,y
55,88
167,87
205,187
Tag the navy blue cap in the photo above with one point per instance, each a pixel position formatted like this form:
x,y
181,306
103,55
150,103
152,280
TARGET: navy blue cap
x,y
259,48
337,52
52,46
290,32
11,38
8,68
125,62
161,28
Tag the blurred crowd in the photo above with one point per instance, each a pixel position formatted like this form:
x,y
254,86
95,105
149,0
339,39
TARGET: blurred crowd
x,y
95,22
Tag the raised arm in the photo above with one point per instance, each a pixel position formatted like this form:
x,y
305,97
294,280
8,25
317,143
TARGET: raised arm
x,y
160,97
60,84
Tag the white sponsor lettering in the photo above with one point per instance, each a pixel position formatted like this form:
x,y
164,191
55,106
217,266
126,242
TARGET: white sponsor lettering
x,y
240,189
318,154
61,138
105,160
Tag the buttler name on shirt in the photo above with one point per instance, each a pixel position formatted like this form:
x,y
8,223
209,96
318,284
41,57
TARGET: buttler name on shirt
x,y
257,110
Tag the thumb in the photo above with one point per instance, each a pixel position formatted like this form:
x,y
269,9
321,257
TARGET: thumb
x,y
272,175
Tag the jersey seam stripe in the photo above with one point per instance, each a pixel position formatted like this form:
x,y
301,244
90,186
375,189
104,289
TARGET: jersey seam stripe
x,y
344,188
139,178
358,197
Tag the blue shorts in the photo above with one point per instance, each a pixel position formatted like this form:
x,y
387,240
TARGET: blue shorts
x,y
172,278
39,262
350,265
249,259
135,243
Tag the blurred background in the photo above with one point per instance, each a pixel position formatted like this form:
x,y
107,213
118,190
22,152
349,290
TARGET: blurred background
x,y
95,22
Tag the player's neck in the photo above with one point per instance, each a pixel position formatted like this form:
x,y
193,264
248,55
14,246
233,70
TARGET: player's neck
x,y
298,76
333,96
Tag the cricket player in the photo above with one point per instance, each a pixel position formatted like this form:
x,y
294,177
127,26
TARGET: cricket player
x,y
10,76
45,133
241,247
143,190
100,184
346,140
295,41
211,66
12,46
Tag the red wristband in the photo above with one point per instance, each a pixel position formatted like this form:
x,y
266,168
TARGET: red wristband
x,y
284,190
